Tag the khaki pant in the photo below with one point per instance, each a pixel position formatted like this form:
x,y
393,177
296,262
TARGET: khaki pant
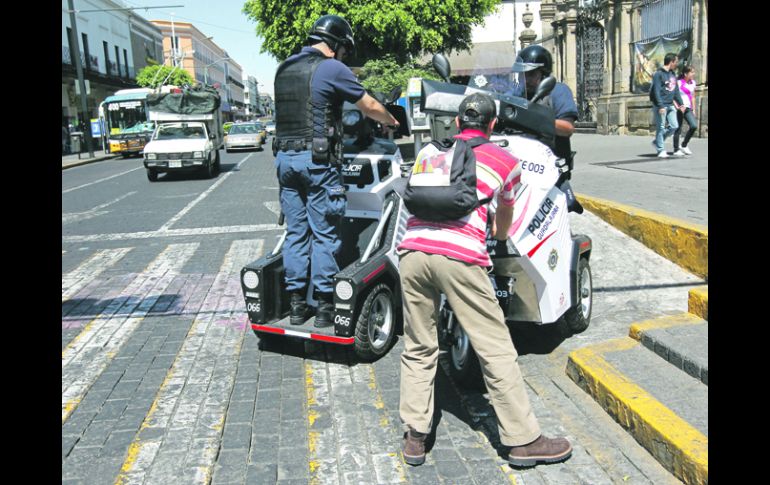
x,y
469,292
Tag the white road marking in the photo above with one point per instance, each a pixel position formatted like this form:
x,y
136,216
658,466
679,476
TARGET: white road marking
x,y
78,278
194,397
66,218
86,357
173,220
198,231
101,180
274,207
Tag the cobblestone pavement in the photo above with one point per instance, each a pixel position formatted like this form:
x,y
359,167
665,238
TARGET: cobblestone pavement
x,y
164,382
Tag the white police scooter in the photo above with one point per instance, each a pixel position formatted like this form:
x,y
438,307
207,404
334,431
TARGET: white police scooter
x,y
542,274
367,292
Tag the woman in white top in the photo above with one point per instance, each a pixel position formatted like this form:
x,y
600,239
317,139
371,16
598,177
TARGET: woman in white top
x,y
687,89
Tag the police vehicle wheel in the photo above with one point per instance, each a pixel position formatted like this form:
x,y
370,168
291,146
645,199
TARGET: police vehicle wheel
x,y
464,365
578,317
376,324
152,175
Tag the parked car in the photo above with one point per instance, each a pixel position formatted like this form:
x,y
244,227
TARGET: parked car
x,y
244,136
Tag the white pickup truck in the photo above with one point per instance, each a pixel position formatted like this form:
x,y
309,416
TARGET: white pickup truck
x,y
184,142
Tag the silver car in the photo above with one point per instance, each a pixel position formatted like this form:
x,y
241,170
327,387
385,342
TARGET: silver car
x,y
243,136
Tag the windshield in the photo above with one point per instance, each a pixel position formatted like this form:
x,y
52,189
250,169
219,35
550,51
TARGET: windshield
x,y
179,130
126,115
243,130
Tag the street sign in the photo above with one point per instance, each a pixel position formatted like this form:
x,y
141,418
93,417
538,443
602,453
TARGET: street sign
x,y
96,127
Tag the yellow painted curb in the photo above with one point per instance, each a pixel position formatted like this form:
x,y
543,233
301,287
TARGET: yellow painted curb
x,y
682,242
698,302
637,329
680,448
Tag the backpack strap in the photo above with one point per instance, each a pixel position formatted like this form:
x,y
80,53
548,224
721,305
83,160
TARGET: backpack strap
x,y
476,141
470,144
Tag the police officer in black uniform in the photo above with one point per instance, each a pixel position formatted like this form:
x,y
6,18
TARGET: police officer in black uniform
x,y
310,89
536,63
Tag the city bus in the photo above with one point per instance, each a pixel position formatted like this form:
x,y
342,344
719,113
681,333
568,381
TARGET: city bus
x,y
127,128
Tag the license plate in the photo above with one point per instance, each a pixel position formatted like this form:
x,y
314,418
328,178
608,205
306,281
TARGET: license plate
x,y
175,163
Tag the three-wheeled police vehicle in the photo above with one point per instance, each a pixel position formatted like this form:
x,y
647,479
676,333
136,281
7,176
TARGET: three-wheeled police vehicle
x,y
367,293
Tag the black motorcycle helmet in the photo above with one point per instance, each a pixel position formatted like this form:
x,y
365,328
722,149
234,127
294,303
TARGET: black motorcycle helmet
x,y
335,31
534,57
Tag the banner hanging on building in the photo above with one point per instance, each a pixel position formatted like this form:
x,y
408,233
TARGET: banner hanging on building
x,y
648,58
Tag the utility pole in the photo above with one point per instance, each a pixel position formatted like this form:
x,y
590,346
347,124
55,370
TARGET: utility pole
x,y
81,80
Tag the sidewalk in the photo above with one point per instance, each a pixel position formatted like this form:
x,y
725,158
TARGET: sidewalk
x,y
68,161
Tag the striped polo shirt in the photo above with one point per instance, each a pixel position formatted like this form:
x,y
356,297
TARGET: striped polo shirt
x,y
498,174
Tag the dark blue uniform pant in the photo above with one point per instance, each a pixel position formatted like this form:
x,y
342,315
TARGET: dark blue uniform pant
x,y
313,201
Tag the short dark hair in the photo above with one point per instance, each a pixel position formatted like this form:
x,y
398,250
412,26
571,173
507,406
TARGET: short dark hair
x,y
669,57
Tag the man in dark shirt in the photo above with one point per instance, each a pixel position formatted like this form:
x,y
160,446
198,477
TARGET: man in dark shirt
x,y
663,92
310,89
536,63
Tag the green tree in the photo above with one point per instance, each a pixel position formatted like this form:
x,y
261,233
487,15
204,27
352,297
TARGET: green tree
x,y
149,77
403,29
382,75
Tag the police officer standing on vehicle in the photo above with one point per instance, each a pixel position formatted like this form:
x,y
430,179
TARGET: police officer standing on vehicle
x,y
536,63
310,89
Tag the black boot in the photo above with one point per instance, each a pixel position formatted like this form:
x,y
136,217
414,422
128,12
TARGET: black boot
x,y
323,317
300,311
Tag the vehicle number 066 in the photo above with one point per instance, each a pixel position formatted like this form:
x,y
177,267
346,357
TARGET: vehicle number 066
x,y
344,321
253,307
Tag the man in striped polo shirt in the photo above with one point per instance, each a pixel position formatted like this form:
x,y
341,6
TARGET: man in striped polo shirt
x,y
451,258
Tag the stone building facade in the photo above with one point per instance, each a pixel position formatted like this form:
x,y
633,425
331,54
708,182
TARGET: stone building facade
x,y
592,43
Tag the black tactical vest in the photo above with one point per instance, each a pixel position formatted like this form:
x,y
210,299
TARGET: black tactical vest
x,y
301,124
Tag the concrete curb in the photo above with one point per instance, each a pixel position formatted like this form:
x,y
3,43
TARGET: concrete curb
x,y
678,446
86,161
670,346
698,302
681,242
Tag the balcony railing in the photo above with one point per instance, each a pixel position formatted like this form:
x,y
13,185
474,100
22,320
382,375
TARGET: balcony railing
x,y
111,68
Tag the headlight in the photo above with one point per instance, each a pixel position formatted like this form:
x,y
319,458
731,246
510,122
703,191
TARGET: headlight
x,y
251,280
151,156
351,118
197,154
344,290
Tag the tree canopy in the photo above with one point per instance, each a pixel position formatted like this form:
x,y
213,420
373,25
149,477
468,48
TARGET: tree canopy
x,y
148,77
403,29
382,75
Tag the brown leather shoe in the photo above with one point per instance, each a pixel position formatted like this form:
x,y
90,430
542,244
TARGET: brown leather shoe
x,y
542,450
414,447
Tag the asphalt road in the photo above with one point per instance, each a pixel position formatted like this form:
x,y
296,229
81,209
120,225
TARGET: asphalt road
x,y
163,381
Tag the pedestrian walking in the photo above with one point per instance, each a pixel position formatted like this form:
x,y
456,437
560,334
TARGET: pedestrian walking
x,y
664,91
687,88
451,258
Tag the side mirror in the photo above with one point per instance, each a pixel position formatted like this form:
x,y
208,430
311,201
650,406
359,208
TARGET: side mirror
x,y
394,95
544,88
441,65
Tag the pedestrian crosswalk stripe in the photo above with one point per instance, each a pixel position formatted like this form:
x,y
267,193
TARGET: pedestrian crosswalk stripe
x,y
194,395
86,357
198,231
78,278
